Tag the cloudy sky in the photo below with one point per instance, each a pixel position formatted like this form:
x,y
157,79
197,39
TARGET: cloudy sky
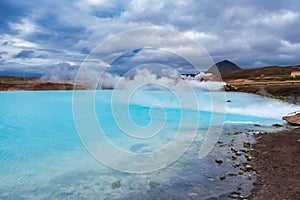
x,y
40,37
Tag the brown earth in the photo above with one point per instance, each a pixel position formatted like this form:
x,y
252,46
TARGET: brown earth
x,y
285,90
266,81
263,73
9,83
277,163
40,86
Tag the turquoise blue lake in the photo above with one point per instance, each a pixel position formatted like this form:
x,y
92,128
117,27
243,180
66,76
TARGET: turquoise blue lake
x,y
43,157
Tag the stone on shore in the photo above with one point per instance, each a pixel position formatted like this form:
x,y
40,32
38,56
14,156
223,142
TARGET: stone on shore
x,y
293,118
219,161
116,185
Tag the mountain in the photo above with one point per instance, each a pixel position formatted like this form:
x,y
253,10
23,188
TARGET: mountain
x,y
223,67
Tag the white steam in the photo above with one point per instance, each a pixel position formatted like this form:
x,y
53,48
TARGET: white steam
x,y
166,79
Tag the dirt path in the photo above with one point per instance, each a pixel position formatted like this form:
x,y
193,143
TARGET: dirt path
x,y
277,163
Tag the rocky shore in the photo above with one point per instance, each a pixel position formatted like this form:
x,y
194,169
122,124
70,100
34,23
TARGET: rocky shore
x,y
276,162
285,91
269,159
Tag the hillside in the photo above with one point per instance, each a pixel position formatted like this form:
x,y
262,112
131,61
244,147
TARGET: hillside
x,y
266,81
270,72
224,66
10,83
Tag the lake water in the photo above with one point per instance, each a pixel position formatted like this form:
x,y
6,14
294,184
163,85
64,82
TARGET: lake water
x,y
42,155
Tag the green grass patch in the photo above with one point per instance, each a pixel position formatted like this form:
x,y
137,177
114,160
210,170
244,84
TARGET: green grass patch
x,y
282,98
11,80
289,78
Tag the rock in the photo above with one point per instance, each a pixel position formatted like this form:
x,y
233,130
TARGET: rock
x,y
233,157
244,150
222,177
249,177
154,183
277,125
222,145
246,144
238,153
249,158
293,118
238,192
233,149
258,138
232,174
236,163
116,185
249,167
229,87
219,161
241,172
228,101
243,168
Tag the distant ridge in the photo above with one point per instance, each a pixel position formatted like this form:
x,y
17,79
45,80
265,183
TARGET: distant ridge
x,y
271,72
223,67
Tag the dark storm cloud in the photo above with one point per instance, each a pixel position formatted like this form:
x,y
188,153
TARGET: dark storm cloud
x,y
11,11
25,54
52,72
56,33
147,58
250,33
